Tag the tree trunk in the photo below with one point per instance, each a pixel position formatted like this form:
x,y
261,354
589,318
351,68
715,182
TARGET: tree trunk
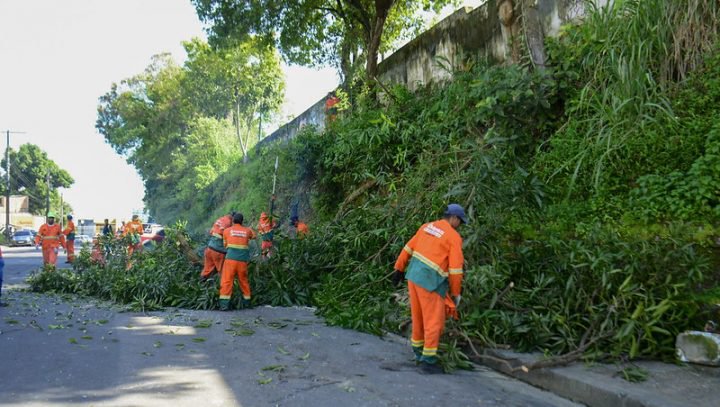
x,y
382,9
236,120
345,63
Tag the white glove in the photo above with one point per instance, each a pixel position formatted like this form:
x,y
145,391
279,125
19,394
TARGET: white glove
x,y
457,300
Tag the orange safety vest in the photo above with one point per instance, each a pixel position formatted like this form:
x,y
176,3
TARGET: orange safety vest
x,y
216,233
434,258
236,240
266,227
220,225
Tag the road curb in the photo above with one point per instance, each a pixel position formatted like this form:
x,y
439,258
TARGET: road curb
x,y
577,383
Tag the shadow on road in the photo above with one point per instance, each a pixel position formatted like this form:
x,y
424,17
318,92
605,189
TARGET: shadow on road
x,y
64,350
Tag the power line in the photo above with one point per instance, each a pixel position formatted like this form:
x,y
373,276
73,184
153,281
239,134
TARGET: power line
x,y
27,191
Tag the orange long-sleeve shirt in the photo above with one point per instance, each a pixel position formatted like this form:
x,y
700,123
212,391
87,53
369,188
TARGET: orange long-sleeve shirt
x,y
302,230
134,226
69,231
50,236
434,258
237,239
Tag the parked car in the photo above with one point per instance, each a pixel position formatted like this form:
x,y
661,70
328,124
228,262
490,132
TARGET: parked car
x,y
153,231
83,240
24,237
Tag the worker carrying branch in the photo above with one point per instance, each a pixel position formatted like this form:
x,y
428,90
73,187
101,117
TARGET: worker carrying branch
x,y
301,229
134,229
434,262
215,251
266,229
51,237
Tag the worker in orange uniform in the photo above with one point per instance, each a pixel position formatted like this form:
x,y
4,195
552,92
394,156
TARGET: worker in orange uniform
x,y
69,233
96,256
134,229
301,229
51,237
215,251
331,107
236,239
434,262
266,229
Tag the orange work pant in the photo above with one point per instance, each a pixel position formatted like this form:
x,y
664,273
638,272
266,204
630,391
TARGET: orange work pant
x,y
213,261
231,268
49,255
427,310
133,247
70,246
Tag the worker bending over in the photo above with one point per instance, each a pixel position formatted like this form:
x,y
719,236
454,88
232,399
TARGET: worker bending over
x,y
215,251
301,229
433,260
134,229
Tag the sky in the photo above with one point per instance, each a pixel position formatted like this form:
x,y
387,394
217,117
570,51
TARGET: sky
x,y
57,57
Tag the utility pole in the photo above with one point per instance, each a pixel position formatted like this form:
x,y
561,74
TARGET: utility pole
x,y
62,213
47,199
7,181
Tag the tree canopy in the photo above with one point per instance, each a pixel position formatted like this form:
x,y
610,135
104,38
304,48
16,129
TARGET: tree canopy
x,y
319,32
29,168
182,126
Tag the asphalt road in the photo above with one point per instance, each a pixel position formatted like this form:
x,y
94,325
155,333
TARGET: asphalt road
x,y
64,350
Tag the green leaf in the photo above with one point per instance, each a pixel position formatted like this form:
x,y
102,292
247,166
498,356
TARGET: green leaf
x,y
274,368
205,323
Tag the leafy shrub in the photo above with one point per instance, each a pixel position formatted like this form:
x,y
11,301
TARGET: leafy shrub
x,y
565,175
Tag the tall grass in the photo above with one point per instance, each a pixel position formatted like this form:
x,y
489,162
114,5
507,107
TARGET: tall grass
x,y
628,53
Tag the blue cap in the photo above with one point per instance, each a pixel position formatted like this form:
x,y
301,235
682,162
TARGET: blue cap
x,y
456,210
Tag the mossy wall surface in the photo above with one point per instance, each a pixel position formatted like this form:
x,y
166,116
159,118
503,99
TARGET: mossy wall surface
x,y
503,31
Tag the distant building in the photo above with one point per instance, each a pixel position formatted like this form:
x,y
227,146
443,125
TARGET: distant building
x,y
20,216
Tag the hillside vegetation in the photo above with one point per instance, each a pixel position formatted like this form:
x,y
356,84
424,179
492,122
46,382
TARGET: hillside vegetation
x,y
593,189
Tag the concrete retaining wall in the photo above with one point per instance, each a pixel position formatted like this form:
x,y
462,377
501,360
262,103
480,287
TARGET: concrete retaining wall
x,y
503,31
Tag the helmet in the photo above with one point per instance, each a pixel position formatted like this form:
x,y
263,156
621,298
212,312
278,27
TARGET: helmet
x,y
70,217
51,214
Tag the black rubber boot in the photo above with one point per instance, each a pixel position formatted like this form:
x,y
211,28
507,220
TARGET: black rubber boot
x,y
430,368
